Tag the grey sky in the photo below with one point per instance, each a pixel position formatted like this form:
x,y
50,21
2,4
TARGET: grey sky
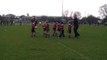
x,y
50,7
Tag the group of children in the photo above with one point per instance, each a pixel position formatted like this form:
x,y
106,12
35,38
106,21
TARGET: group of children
x,y
58,28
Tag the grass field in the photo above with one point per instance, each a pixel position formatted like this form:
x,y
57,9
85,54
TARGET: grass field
x,y
17,44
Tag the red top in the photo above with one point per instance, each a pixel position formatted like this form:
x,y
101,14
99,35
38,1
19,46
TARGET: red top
x,y
55,25
62,26
58,26
33,24
45,26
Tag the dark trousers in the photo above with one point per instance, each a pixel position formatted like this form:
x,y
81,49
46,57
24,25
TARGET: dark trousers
x,y
76,31
62,33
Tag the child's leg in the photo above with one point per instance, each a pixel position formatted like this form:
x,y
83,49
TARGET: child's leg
x,y
55,33
59,32
63,33
33,34
69,34
48,33
45,34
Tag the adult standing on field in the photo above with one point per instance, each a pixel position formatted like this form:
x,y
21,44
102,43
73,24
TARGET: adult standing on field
x,y
76,26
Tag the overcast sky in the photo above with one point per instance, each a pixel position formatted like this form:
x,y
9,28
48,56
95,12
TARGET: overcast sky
x,y
50,7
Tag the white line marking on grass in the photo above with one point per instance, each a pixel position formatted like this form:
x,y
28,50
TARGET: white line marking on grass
x,y
86,58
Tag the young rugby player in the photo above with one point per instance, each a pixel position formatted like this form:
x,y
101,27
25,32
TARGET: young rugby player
x,y
33,26
69,28
62,30
46,29
54,28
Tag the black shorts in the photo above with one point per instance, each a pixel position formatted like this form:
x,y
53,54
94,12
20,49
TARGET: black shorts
x,y
58,30
44,29
54,29
47,30
69,31
33,30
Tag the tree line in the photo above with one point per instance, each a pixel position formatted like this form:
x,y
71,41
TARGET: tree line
x,y
10,19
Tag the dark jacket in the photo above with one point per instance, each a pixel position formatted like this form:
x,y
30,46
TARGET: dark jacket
x,y
76,22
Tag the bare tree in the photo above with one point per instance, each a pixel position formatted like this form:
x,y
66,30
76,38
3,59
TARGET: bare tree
x,y
71,14
103,10
65,14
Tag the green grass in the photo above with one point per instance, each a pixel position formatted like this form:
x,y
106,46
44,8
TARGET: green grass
x,y
17,44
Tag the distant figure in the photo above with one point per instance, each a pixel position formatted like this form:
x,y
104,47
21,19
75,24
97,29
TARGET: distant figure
x,y
54,29
62,30
34,25
20,20
69,28
11,21
76,25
